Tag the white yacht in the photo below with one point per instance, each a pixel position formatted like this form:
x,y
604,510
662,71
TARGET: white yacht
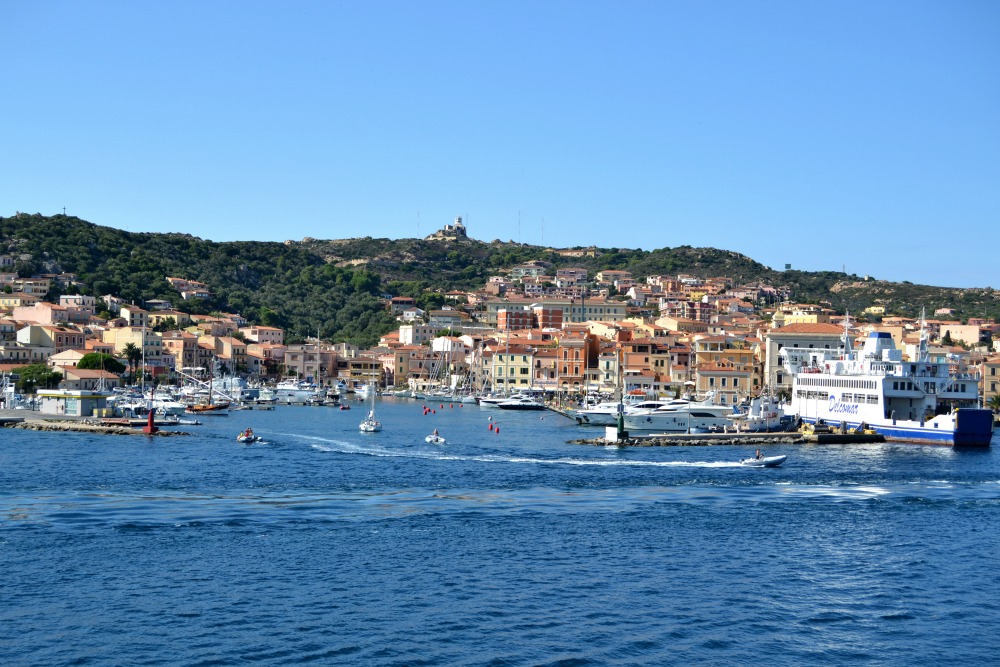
x,y
522,401
680,416
295,391
605,413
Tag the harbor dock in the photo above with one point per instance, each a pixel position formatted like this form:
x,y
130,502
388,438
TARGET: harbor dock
x,y
744,439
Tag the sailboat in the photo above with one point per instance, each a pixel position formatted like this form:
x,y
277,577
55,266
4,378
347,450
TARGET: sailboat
x,y
371,424
210,408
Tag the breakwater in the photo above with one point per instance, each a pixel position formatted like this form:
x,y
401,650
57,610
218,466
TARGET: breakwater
x,y
740,439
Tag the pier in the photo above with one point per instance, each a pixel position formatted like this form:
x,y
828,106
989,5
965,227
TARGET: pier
x,y
741,439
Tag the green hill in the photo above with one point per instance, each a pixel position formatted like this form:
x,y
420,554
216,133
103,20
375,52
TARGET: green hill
x,y
334,286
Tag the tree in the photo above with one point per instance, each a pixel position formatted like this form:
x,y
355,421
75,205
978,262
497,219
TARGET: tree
x,y
37,376
166,324
134,356
994,403
99,360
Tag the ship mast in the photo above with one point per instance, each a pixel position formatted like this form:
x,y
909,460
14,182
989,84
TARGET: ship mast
x,y
922,351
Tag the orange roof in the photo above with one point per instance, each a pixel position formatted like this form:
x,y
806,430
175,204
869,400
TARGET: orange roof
x,y
808,328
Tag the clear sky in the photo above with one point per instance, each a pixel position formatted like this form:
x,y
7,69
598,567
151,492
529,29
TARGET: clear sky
x,y
828,135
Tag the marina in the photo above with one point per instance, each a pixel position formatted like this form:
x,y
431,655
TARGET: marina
x,y
592,548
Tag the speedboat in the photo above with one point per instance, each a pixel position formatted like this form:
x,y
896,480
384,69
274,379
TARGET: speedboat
x,y
247,438
764,461
434,439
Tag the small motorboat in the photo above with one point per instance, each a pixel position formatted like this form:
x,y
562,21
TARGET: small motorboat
x,y
247,438
434,439
764,461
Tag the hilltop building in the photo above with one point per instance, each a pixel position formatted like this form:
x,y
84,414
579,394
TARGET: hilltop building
x,y
449,232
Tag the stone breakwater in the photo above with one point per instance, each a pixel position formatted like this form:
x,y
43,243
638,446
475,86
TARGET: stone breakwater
x,y
745,439
83,427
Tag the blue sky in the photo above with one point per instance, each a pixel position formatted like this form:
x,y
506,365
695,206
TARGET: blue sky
x,y
828,135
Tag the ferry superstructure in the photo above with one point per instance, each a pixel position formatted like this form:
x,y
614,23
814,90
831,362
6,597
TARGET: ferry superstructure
x,y
921,401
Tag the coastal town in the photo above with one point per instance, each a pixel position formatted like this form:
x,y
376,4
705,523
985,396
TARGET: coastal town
x,y
564,335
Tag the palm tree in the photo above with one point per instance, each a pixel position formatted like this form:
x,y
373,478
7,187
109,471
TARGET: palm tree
x,y
134,356
994,403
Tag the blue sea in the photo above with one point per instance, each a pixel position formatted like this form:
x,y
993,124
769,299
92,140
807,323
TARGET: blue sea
x,y
322,545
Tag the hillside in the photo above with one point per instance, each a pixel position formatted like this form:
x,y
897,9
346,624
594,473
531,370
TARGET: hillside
x,y
333,286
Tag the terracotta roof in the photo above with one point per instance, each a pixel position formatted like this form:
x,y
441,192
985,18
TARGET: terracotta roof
x,y
808,329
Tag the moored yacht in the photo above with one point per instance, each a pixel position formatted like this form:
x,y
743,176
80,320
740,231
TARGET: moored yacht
x,y
680,416
521,402
295,391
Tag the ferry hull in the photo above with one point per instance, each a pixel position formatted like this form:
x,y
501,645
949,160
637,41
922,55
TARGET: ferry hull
x,y
973,428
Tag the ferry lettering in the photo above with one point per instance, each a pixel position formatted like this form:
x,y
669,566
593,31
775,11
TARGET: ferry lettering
x,y
845,408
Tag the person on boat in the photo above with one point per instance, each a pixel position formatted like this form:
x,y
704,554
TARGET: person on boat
x,y
435,434
758,455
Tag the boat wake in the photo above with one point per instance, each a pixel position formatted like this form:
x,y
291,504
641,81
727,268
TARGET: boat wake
x,y
345,447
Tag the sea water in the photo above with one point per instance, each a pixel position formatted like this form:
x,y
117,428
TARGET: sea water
x,y
504,546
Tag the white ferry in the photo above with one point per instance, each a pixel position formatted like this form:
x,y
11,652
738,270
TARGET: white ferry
x,y
922,400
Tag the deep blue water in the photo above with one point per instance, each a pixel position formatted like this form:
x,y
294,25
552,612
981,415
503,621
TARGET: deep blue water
x,y
323,545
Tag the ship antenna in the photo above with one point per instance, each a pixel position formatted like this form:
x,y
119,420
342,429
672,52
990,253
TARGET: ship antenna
x,y
847,341
922,353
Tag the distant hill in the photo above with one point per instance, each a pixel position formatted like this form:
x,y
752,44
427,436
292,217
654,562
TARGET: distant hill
x,y
333,286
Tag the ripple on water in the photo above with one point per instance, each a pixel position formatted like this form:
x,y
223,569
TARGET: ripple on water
x,y
519,549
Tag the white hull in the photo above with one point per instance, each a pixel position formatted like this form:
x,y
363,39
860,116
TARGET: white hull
x,y
676,422
763,462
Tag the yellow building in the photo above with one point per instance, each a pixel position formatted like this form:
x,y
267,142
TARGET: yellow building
x,y
805,314
512,368
726,366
